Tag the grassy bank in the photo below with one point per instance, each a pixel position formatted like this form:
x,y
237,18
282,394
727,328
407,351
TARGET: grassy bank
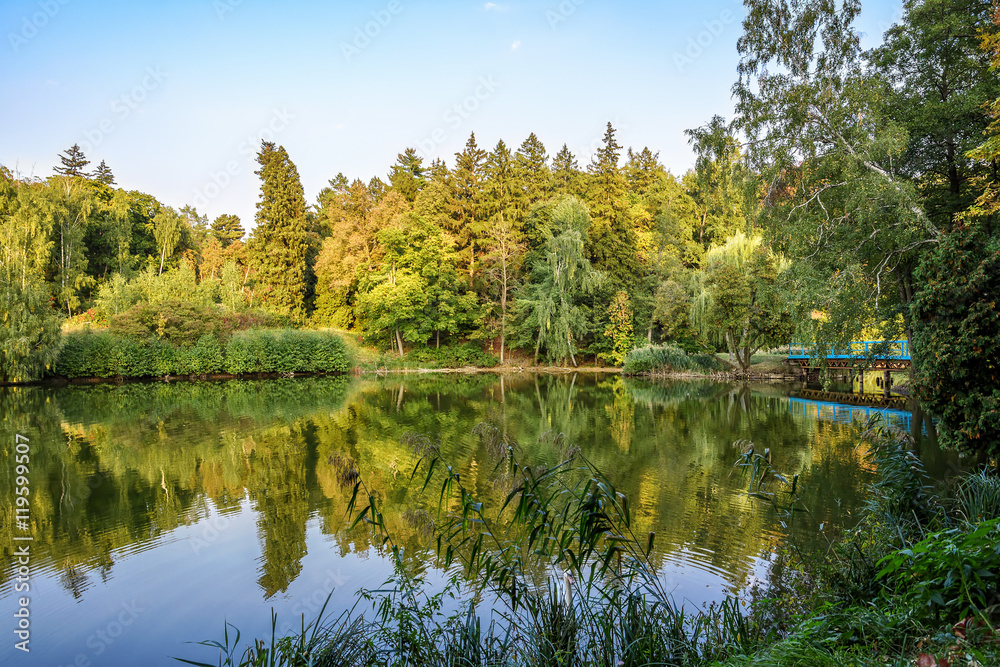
x,y
573,584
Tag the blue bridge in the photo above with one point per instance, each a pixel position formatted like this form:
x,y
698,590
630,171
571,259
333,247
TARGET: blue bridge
x,y
882,355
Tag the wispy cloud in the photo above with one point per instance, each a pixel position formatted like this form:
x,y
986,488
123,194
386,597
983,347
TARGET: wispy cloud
x,y
515,46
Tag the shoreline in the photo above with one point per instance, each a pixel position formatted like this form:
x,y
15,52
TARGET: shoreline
x,y
465,370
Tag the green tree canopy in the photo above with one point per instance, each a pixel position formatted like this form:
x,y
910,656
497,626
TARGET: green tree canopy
x,y
741,298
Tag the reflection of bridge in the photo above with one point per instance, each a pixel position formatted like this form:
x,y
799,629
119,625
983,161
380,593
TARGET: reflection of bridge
x,y
874,401
890,355
845,414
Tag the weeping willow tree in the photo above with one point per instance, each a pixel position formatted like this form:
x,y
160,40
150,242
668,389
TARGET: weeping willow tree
x,y
740,299
550,311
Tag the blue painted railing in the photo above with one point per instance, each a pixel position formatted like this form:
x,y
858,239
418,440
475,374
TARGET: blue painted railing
x,y
897,349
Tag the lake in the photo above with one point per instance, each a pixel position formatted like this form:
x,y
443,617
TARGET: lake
x,y
159,511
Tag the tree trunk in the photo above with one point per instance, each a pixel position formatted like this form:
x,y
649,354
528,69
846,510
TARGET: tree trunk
x,y
399,342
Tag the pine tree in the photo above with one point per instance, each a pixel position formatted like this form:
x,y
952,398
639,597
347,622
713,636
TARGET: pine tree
x,y
280,243
103,174
73,161
227,228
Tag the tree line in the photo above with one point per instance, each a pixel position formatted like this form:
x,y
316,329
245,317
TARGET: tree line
x,y
852,194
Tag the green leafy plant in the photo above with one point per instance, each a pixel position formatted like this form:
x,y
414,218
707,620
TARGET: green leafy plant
x,y
952,572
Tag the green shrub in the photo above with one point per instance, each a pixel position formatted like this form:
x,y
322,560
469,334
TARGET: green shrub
x,y
666,359
453,356
106,355
285,351
206,356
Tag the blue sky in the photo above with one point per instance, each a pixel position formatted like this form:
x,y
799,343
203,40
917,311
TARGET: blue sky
x,y
176,95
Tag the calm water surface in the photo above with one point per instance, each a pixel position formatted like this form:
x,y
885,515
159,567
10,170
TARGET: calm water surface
x,y
159,511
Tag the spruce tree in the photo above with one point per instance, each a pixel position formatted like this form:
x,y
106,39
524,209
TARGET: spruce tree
x,y
565,172
532,171
612,238
643,171
73,161
499,191
280,244
103,174
377,188
407,175
466,205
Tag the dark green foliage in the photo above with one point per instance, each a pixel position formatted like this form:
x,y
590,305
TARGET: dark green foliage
x,y
407,175
956,339
669,359
206,356
942,82
104,355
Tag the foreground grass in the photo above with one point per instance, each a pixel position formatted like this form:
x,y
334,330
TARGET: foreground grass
x,y
574,585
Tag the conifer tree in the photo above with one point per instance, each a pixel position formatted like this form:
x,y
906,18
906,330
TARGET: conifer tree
x,y
612,239
73,161
532,172
642,171
439,172
466,206
377,188
227,228
499,194
103,174
565,172
407,176
280,243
